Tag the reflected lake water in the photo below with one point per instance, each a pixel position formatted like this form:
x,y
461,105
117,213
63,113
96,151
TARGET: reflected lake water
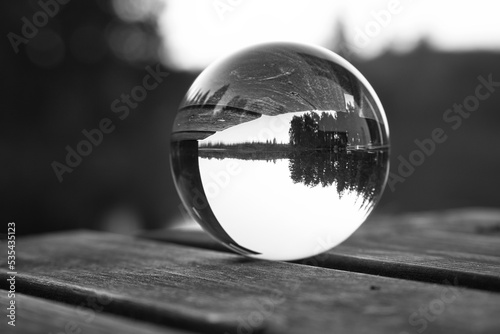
x,y
283,202
265,198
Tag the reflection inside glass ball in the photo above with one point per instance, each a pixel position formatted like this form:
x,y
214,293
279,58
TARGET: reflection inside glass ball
x,y
280,151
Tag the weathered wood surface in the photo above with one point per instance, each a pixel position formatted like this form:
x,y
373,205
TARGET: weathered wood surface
x,y
36,315
461,246
450,246
211,291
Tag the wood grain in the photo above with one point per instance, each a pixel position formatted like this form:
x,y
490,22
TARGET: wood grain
x,y
453,246
35,315
216,292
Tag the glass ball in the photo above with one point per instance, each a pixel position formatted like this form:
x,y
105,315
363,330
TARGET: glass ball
x,y
280,151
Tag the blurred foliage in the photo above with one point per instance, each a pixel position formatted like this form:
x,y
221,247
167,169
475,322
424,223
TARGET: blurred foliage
x,y
64,81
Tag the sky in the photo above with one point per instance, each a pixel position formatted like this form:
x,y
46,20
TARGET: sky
x,y
196,32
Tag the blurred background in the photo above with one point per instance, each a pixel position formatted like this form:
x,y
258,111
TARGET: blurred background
x,y
65,63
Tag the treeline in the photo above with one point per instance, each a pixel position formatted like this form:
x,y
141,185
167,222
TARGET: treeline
x,y
244,154
268,145
269,151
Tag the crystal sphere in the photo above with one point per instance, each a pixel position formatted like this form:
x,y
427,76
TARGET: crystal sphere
x,y
280,151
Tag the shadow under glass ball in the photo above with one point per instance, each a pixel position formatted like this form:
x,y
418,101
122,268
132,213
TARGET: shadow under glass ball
x,y
280,151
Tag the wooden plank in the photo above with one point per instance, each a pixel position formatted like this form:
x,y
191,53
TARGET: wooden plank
x,y
214,292
430,246
452,246
198,122
35,315
479,221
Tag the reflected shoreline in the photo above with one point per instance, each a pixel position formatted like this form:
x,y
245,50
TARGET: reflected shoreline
x,y
280,151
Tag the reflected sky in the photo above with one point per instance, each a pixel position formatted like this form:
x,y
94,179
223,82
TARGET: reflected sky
x,y
299,213
259,130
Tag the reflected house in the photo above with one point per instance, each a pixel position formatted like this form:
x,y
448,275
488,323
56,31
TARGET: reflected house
x,y
374,131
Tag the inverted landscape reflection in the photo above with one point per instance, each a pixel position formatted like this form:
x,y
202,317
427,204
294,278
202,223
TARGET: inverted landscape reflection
x,y
280,154
318,152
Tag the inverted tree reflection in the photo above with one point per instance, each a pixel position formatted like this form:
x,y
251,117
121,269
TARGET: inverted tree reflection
x,y
358,171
